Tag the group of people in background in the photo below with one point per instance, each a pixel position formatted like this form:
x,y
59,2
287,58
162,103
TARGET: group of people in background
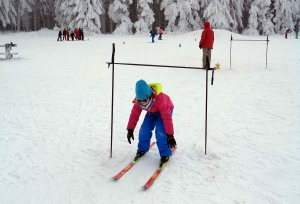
x,y
156,31
65,34
290,31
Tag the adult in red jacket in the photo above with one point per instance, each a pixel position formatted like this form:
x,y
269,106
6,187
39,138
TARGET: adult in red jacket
x,y
206,42
68,34
76,31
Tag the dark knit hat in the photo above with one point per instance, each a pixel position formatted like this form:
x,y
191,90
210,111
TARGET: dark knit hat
x,y
142,90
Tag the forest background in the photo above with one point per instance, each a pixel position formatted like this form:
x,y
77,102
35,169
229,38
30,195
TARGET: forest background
x,y
252,17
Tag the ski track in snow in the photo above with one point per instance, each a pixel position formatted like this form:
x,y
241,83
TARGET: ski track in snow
x,y
55,105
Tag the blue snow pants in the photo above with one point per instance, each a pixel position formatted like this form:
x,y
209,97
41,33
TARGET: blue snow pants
x,y
151,121
153,36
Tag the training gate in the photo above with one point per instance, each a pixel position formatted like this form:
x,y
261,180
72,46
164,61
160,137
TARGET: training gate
x,y
207,68
267,40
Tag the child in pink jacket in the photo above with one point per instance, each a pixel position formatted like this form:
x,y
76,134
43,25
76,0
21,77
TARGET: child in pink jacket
x,y
159,109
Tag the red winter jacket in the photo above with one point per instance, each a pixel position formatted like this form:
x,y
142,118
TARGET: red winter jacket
x,y
207,37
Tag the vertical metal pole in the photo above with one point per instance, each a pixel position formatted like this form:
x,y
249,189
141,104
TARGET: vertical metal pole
x,y
112,98
267,51
207,66
230,50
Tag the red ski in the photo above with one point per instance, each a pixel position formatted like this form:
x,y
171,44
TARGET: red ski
x,y
128,167
157,172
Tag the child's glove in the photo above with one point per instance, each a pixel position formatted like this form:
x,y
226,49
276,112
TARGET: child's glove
x,y
130,135
200,47
171,141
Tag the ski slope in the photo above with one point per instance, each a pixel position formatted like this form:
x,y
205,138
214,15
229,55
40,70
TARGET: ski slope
x,y
55,120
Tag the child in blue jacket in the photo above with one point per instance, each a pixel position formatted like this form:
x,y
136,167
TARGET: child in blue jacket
x,y
153,33
296,32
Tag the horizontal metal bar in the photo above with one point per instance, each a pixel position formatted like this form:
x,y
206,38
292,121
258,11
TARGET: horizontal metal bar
x,y
155,65
249,40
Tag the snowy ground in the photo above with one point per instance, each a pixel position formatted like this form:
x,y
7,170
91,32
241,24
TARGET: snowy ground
x,y
55,106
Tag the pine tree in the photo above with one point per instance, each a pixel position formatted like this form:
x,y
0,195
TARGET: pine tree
x,y
285,10
145,16
43,10
59,14
197,20
247,6
188,15
171,13
203,5
83,13
118,12
236,12
218,14
252,21
45,6
260,19
7,13
297,17
24,6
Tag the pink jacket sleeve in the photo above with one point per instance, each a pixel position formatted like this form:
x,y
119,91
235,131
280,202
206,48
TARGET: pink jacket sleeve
x,y
134,117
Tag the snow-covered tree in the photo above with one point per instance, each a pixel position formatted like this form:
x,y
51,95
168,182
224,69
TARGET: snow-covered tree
x,y
59,14
260,18
196,21
24,6
184,11
218,14
285,11
118,12
83,13
246,9
188,15
45,6
236,12
203,5
145,16
43,11
297,17
252,21
7,13
266,26
171,13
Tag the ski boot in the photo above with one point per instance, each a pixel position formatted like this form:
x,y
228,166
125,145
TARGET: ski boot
x,y
163,160
139,155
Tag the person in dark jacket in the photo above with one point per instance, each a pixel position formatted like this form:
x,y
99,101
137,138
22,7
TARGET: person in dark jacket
x,y
64,34
81,33
296,33
206,43
59,36
152,34
72,33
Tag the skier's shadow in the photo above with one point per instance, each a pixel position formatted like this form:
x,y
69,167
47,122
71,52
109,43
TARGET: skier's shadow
x,y
14,58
